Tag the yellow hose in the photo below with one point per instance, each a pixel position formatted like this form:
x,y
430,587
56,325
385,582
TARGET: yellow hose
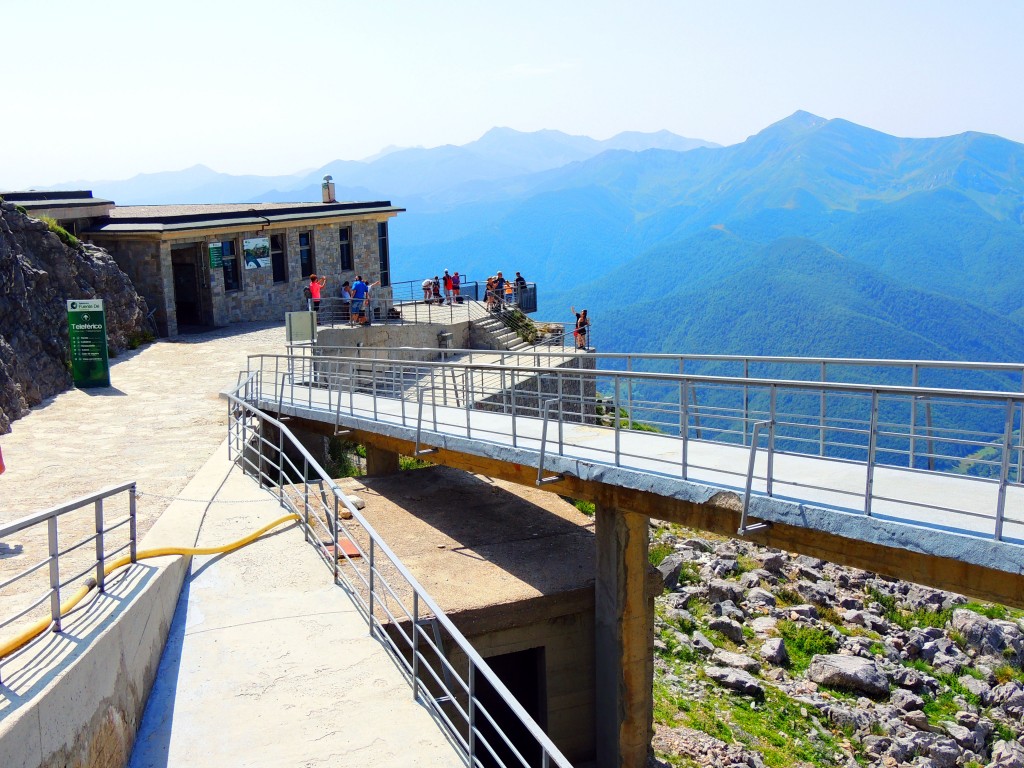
x,y
22,639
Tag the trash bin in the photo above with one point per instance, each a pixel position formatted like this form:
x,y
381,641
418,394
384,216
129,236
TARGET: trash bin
x,y
445,340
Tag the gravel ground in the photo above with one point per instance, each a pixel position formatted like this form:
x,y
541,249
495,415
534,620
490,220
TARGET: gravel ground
x,y
157,424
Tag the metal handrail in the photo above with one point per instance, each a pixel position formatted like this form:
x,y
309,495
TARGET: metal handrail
x,y
750,360
241,412
517,391
50,518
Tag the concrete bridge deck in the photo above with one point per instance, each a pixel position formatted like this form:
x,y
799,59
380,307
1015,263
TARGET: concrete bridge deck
x,y
915,513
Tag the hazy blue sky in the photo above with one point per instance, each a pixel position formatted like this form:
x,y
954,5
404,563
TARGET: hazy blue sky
x,y
110,88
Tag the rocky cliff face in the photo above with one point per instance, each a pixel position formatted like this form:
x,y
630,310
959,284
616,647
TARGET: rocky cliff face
x,y
38,273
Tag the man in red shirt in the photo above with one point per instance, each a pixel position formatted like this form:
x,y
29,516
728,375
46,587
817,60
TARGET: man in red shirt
x,y
447,281
315,285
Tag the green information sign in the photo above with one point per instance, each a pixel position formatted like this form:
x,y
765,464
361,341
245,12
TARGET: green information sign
x,y
87,330
216,255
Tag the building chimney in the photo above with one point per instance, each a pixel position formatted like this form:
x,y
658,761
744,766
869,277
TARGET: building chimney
x,y
328,190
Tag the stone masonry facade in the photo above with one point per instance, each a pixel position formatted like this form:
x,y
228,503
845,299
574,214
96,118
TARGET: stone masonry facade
x,y
148,262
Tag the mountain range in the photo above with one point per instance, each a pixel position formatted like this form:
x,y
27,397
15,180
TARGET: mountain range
x,y
813,236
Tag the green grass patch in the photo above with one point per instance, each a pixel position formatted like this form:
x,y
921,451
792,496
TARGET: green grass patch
x,y
943,706
745,564
411,462
1004,673
586,507
922,617
65,237
776,727
341,458
658,552
831,615
988,610
689,574
803,643
786,597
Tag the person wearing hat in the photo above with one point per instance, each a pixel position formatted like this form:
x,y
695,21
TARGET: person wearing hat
x,y
447,288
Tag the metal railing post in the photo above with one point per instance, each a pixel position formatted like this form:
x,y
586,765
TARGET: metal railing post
x,y
100,555
373,386
821,413
472,714
133,531
928,426
280,467
744,529
629,393
415,645
872,443
337,537
914,379
561,416
746,399
372,586
512,399
1004,471
305,499
51,532
618,429
684,419
771,440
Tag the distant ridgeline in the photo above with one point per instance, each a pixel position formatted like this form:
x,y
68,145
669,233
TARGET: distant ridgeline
x,y
813,237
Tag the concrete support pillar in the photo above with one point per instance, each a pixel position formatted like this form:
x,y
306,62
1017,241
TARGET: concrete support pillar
x,y
623,626
380,461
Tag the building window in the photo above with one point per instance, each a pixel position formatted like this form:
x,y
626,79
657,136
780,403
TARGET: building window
x,y
382,251
232,275
306,260
346,249
277,260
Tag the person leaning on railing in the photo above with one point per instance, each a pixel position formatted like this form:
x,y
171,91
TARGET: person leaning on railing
x,y
582,326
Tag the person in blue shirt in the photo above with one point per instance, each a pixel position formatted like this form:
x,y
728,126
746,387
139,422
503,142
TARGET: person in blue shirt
x,y
360,298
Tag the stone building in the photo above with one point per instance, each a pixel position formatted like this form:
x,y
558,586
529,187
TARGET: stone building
x,y
211,265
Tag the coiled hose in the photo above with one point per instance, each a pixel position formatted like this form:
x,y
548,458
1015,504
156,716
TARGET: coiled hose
x,y
10,646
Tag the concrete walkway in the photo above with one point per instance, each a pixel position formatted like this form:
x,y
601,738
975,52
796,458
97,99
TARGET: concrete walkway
x,y
268,663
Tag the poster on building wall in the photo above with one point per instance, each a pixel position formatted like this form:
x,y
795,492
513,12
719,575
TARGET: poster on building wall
x,y
216,255
87,332
256,251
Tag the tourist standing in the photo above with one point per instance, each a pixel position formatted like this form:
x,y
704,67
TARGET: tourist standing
x,y
456,285
346,302
447,279
315,284
520,282
360,300
582,326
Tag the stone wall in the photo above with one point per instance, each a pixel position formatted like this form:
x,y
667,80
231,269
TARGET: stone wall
x,y
577,395
38,274
259,298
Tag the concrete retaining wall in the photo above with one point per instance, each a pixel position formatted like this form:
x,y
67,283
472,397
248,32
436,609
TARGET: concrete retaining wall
x,y
76,698
395,335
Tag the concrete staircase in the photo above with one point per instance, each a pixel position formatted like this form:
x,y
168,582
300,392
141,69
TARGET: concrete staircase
x,y
498,334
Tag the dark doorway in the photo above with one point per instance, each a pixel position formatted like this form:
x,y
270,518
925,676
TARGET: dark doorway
x,y
523,674
190,302
186,294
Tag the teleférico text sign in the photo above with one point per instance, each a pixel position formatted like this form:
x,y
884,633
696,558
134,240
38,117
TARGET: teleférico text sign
x,y
87,331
